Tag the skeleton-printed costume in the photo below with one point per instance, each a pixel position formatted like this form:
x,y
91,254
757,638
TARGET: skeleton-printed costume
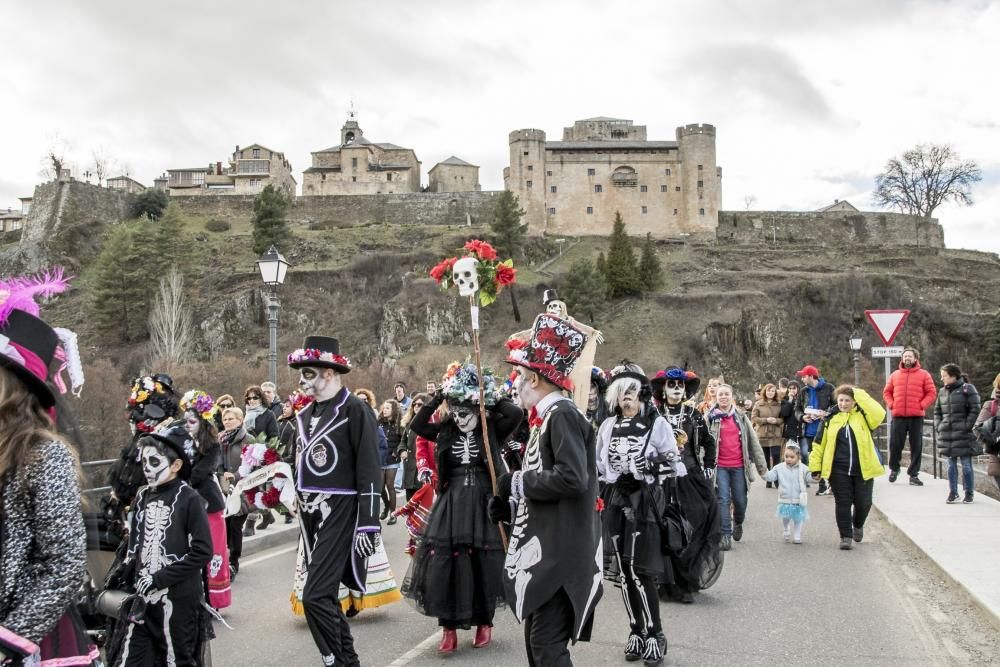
x,y
338,476
700,563
169,545
552,572
455,574
632,453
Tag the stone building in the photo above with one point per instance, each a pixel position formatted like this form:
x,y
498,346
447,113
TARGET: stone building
x,y
453,175
841,205
250,170
608,165
357,166
125,184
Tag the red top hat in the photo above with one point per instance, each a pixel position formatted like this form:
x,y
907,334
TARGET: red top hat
x,y
552,351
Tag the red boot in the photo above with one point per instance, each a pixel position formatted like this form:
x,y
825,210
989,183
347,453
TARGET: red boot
x,y
484,633
449,641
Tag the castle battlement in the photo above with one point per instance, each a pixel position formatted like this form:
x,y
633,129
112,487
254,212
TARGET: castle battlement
x,y
695,128
526,134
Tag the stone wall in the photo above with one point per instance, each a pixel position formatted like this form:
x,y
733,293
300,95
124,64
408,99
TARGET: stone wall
x,y
415,208
829,228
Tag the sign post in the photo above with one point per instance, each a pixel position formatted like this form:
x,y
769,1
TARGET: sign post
x,y
887,324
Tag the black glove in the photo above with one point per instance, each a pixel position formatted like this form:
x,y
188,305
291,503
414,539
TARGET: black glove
x,y
503,486
499,510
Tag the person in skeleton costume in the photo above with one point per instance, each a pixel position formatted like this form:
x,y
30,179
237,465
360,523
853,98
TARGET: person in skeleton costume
x,y
455,574
597,408
552,572
700,563
169,544
338,476
635,446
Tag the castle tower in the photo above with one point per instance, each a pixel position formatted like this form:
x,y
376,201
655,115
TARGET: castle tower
x,y
701,179
525,176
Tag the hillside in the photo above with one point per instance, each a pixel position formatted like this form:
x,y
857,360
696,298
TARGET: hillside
x,y
753,312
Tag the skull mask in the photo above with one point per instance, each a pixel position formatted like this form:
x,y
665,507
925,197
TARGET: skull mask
x,y
465,277
674,391
155,465
466,419
556,308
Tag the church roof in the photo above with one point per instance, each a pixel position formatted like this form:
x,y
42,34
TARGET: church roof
x,y
457,161
608,146
361,141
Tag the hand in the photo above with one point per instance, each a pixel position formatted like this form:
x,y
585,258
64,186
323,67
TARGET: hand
x,y
503,485
425,477
404,455
144,585
709,473
815,476
365,543
499,510
229,475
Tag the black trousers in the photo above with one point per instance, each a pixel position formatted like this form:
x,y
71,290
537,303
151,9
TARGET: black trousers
x,y
852,499
901,428
547,632
170,629
772,456
234,539
332,542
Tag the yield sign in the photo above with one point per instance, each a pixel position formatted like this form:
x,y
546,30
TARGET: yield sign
x,y
887,323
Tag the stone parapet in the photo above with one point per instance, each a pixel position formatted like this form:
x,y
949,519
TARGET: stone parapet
x,y
829,228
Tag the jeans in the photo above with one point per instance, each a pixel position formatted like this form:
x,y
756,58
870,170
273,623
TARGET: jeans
x,y
968,476
852,500
901,428
804,445
731,484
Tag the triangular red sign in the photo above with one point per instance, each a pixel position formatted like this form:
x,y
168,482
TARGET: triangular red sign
x,y
887,323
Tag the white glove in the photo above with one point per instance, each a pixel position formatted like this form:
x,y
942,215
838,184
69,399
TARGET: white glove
x,y
365,543
144,585
709,473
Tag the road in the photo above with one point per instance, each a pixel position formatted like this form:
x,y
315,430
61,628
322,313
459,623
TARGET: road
x,y
775,604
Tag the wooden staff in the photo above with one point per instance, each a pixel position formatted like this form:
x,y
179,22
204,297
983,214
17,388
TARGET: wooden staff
x,y
474,311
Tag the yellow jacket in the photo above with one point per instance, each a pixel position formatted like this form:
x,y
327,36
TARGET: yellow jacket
x,y
863,419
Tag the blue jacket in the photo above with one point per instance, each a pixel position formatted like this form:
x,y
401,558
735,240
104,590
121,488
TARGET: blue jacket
x,y
821,397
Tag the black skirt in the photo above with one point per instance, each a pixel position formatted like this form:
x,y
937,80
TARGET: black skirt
x,y
456,574
632,515
699,565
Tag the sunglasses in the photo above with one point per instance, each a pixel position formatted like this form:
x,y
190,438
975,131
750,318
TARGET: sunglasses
x,y
418,404
225,405
253,398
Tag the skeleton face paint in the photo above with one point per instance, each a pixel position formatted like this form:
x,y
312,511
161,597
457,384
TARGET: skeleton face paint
x,y
674,391
191,423
314,383
155,465
466,419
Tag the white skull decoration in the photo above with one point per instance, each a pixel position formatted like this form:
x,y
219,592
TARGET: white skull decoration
x,y
464,275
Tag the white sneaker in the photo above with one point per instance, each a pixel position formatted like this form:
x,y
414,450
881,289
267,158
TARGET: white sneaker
x,y
787,535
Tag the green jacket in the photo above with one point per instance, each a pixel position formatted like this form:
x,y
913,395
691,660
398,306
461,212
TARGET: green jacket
x,y
863,419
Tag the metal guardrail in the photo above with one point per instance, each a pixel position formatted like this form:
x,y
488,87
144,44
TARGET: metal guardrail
x,y
96,464
930,451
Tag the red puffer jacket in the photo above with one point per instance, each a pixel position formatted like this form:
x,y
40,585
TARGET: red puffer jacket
x,y
909,392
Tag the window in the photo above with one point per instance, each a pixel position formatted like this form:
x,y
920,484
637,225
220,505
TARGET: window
x,y
354,179
552,189
677,188
354,162
528,183
548,173
643,188
591,172
254,182
663,188
645,210
675,211
531,167
701,211
590,210
666,171
598,188
701,184
552,211
198,178
525,152
256,153
700,167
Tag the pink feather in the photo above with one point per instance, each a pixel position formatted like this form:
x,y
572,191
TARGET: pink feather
x,y
19,293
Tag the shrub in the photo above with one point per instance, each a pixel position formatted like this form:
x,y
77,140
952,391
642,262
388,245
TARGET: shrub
x,y
214,225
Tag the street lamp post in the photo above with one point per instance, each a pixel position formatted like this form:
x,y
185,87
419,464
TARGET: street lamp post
x,y
272,267
855,342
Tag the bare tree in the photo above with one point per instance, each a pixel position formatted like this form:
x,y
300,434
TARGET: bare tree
x,y
170,320
102,164
924,178
54,160
749,201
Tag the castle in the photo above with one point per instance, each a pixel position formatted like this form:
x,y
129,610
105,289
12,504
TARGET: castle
x,y
604,166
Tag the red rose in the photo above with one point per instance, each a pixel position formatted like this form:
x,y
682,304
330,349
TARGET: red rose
x,y
271,456
599,505
505,275
482,249
442,268
271,498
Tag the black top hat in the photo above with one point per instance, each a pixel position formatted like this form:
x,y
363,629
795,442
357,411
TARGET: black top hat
x,y
165,380
320,352
549,295
178,440
27,346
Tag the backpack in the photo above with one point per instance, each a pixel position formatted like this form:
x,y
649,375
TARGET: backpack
x,y
988,433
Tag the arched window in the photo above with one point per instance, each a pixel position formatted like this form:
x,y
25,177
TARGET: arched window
x,y
625,177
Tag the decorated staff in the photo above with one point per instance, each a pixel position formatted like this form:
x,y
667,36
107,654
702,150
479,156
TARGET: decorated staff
x,y
481,276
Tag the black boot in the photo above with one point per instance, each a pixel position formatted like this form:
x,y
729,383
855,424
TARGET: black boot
x,y
655,650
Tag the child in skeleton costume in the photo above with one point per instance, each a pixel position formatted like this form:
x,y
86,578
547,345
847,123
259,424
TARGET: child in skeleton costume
x,y
337,479
455,575
552,569
169,544
700,563
632,446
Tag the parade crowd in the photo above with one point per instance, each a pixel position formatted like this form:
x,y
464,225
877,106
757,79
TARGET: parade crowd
x,y
529,488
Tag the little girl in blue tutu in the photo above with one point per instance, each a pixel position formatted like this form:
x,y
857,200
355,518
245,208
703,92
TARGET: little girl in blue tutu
x,y
793,480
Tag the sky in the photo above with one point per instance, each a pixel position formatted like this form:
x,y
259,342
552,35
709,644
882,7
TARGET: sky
x,y
810,98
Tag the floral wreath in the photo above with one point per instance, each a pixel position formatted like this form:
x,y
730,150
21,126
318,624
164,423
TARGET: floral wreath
x,y
460,384
200,402
300,356
493,274
256,454
142,389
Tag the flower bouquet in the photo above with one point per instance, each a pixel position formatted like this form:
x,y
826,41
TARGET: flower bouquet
x,y
492,274
265,480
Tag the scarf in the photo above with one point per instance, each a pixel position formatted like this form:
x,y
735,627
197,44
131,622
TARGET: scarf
x,y
250,418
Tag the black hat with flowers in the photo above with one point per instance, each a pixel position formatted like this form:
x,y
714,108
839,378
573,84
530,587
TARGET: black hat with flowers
x,y
691,380
320,352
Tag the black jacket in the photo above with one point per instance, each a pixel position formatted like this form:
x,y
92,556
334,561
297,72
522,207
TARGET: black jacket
x,y
791,428
203,479
265,423
392,438
955,413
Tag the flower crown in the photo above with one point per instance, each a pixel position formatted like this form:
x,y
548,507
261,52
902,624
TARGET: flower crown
x,y
493,274
311,354
199,402
142,389
460,384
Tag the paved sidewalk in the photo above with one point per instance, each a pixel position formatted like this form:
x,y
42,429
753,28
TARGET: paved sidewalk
x,y
277,534
963,540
